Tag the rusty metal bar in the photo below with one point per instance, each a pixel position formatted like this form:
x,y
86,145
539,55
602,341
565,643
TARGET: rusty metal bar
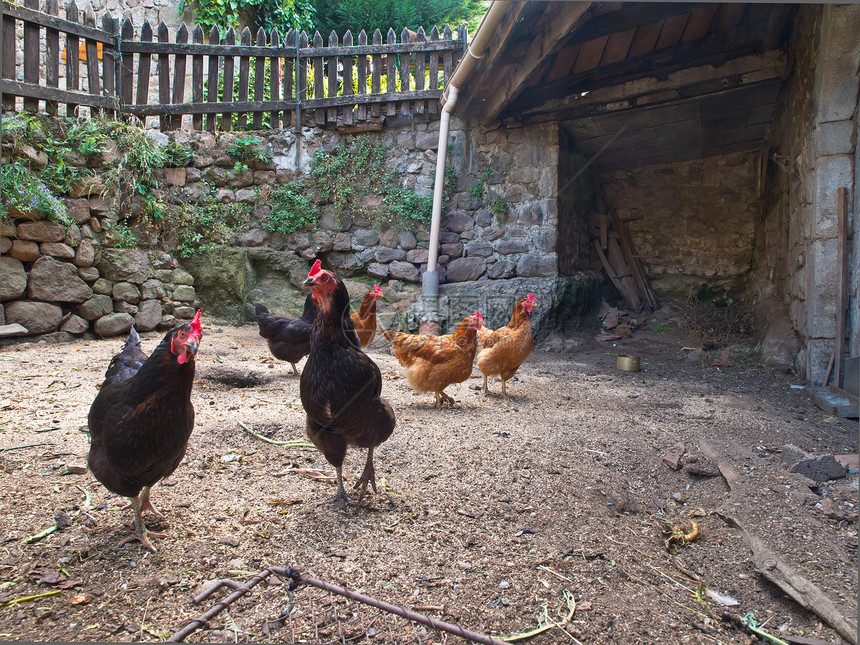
x,y
299,579
393,609
221,605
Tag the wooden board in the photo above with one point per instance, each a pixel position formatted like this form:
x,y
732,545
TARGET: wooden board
x,y
834,401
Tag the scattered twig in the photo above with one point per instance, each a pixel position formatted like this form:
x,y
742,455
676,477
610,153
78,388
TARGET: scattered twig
x,y
30,445
60,389
29,598
292,443
555,573
52,529
42,535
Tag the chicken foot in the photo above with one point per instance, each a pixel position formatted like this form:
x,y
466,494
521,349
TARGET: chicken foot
x,y
295,369
145,504
140,531
442,399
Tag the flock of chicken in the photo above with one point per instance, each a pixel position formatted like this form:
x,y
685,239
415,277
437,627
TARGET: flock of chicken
x,y
142,417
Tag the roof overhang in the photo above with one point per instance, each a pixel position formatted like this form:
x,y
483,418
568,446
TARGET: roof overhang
x,y
639,82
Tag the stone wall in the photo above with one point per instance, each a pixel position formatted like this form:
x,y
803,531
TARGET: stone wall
x,y
516,168
576,199
815,139
691,223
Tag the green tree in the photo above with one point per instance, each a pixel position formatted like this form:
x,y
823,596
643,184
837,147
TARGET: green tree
x,y
282,15
355,15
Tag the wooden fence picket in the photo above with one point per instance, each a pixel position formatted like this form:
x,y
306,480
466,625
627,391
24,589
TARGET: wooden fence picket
x,y
346,76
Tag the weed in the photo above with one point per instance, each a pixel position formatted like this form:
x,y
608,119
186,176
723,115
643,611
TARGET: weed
x,y
499,207
176,155
291,210
192,228
660,328
249,151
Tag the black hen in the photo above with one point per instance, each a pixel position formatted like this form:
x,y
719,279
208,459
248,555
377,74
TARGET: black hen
x,y
142,418
340,386
289,338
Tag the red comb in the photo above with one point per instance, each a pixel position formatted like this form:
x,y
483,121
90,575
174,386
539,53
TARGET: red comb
x,y
530,297
479,316
376,288
195,324
316,269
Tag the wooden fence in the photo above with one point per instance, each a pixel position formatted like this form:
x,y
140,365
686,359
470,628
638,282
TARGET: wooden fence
x,y
268,82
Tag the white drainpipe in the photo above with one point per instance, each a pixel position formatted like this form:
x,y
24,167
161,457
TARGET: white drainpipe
x,y
476,51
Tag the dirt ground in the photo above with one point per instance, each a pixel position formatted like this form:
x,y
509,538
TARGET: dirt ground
x,y
507,514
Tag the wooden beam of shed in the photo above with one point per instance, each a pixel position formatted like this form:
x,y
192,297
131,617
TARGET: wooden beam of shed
x,y
553,28
652,91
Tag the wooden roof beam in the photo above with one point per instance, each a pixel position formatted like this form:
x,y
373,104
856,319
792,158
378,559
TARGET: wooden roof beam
x,y
553,28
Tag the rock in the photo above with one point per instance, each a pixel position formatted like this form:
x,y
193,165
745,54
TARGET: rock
x,y
122,307
113,325
9,331
25,250
458,221
465,269
529,266
75,325
126,292
344,261
79,210
791,455
5,245
37,317
406,240
85,254
128,265
148,315
180,276
452,249
184,293
88,274
509,247
57,250
480,249
819,468
13,278
386,255
103,286
364,238
672,458
404,271
501,270
417,256
152,289
96,307
254,237
55,281
184,313
377,269
342,242
41,231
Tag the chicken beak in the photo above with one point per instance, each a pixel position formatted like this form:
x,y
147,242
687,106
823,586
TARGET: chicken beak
x,y
310,282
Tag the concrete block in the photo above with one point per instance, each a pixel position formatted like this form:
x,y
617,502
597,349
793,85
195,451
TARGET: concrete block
x,y
833,173
833,138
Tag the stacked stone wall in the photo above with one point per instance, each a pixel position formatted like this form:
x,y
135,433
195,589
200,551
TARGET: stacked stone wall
x,y
692,223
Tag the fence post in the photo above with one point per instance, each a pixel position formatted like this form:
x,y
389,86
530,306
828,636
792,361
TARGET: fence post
x,y
92,50
301,89
290,71
126,69
52,56
361,109
259,78
433,84
227,96
391,74
110,60
73,79
244,77
275,79
197,77
319,80
143,67
212,92
31,55
163,75
179,66
346,110
376,80
420,60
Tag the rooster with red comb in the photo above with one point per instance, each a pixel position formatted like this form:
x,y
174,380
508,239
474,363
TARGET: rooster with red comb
x,y
142,418
340,385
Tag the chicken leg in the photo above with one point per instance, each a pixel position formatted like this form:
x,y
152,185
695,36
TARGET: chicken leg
x,y
295,369
442,399
486,391
140,531
145,504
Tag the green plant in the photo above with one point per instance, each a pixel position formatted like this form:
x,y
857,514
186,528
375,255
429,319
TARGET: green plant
x,y
239,168
354,178
23,190
176,155
499,207
291,210
194,227
120,236
135,177
249,151
660,328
